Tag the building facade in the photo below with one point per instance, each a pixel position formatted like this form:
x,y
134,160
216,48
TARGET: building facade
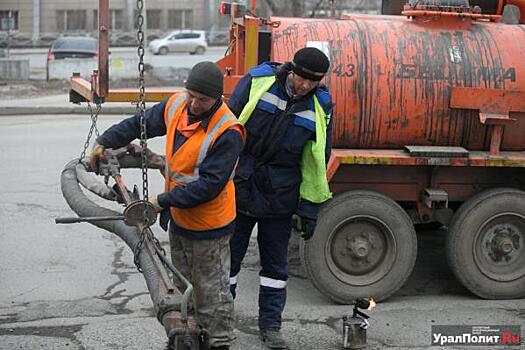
x,y
47,18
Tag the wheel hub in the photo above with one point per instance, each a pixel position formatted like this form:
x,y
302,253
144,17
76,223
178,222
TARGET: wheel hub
x,y
360,246
361,250
502,243
499,250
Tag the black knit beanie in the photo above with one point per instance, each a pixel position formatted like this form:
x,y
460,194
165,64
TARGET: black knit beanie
x,y
206,78
310,63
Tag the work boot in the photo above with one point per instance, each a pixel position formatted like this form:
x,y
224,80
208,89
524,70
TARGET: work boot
x,y
273,339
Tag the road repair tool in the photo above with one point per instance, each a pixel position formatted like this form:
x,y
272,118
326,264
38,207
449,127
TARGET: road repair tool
x,y
137,212
354,327
133,226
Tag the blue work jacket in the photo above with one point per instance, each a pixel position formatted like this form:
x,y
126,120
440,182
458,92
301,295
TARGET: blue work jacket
x,y
268,174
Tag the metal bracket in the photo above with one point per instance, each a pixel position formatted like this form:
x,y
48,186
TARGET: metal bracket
x,y
435,198
494,106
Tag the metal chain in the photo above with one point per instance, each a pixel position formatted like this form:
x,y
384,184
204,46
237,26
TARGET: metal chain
x,y
138,249
157,243
93,127
141,106
142,102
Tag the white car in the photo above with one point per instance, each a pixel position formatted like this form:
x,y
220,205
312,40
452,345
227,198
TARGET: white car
x,y
192,41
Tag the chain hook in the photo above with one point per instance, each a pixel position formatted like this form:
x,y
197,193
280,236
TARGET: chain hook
x,y
93,127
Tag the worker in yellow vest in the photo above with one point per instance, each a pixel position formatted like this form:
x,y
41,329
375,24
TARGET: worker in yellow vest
x,y
281,171
203,142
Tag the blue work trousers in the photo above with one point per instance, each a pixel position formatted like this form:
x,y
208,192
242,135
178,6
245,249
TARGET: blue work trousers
x,y
273,235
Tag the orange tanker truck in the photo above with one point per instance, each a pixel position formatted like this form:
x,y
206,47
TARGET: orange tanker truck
x,y
428,126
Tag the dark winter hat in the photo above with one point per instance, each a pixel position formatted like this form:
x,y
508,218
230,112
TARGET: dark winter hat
x,y
206,78
310,63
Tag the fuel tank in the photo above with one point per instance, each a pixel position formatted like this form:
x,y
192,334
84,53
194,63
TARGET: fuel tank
x,y
391,77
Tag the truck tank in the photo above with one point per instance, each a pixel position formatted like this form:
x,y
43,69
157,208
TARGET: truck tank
x,y
392,77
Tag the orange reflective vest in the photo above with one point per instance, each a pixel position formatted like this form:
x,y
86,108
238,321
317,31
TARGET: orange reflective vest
x,y
182,167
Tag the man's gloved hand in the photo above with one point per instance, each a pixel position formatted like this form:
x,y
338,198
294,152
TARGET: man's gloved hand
x,y
308,228
97,153
153,200
304,225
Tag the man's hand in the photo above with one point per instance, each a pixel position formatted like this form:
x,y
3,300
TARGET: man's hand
x,y
304,225
308,228
153,200
97,153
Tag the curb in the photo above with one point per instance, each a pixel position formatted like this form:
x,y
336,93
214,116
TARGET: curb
x,y
16,110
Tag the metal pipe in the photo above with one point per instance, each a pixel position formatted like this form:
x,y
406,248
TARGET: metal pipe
x,y
102,85
74,220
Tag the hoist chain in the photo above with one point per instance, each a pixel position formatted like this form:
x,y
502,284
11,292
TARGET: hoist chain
x,y
141,107
148,234
142,102
138,249
94,117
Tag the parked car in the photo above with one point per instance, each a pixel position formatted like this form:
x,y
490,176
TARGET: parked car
x,y
71,47
218,38
192,41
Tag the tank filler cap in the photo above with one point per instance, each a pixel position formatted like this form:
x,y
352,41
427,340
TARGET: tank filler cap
x,y
445,8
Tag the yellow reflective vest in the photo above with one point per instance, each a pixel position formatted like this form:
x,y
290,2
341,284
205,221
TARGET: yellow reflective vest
x,y
314,184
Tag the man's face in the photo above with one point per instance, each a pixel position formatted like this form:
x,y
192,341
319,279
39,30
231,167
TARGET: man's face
x,y
199,103
299,85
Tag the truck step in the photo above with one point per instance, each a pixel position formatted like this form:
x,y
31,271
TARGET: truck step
x,y
437,151
435,198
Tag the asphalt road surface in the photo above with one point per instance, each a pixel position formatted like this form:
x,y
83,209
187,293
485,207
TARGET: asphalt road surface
x,y
75,286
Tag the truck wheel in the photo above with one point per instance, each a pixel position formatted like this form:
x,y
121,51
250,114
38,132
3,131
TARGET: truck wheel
x,y
364,245
485,244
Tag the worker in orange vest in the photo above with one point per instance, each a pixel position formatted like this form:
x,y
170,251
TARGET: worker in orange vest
x,y
203,142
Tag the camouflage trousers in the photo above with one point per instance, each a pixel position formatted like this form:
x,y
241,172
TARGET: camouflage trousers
x,y
206,264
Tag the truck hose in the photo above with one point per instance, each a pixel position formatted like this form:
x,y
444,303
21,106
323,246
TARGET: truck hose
x,y
83,206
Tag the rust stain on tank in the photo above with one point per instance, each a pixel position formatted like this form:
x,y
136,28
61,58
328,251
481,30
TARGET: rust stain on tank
x,y
391,77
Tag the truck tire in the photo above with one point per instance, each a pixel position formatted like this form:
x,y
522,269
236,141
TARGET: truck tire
x,y
485,244
364,245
